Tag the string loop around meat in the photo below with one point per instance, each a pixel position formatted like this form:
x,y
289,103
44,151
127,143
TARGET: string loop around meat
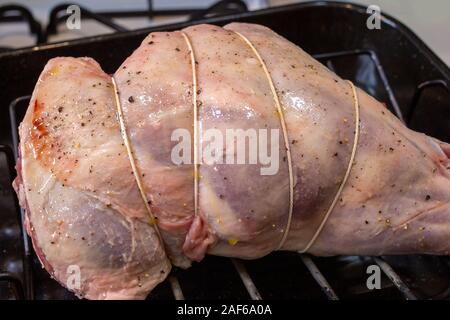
x,y
135,169
347,173
285,135
196,133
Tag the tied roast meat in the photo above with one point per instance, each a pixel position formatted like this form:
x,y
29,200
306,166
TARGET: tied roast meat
x,y
84,208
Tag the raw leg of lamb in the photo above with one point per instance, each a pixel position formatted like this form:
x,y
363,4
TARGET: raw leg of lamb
x,y
104,196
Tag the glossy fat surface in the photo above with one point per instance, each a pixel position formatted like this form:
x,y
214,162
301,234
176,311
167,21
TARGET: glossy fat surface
x,y
397,198
155,88
319,115
156,93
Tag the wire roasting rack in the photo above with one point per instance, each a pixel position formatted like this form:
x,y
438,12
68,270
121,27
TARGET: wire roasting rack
x,y
263,278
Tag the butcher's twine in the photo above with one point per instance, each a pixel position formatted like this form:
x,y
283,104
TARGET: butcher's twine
x,y
135,169
285,136
196,137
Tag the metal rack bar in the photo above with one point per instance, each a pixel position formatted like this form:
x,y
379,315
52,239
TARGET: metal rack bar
x,y
318,276
373,56
388,88
27,248
16,284
418,93
245,277
395,278
27,274
176,288
15,122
